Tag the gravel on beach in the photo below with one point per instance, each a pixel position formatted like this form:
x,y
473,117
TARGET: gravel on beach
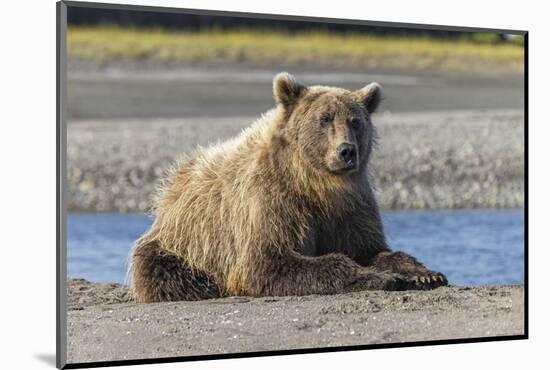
x,y
105,325
428,160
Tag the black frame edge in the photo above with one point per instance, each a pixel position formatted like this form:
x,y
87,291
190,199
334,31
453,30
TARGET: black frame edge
x,y
61,146
526,181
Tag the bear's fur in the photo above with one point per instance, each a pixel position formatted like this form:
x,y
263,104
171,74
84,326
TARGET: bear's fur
x,y
286,208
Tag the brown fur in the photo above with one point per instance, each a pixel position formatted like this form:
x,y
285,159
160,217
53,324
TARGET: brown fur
x,y
273,212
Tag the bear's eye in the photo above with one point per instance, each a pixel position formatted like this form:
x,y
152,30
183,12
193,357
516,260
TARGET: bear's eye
x,y
325,120
355,122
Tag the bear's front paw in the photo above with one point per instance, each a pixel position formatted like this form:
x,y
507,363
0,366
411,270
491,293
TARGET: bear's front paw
x,y
381,281
426,280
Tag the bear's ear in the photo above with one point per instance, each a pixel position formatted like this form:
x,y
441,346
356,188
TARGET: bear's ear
x,y
286,90
370,96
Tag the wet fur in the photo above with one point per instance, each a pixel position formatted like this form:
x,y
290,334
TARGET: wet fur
x,y
260,215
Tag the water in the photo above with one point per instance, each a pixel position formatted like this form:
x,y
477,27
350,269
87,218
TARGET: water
x,y
471,247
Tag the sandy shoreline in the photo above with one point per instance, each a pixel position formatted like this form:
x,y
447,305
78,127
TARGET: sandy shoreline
x,y
429,160
103,323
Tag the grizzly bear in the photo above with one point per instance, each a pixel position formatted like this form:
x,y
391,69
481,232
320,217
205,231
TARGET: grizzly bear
x,y
285,208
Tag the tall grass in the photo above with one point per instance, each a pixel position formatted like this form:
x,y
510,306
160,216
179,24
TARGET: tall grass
x,y
106,43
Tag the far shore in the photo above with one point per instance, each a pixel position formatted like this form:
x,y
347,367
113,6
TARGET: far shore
x,y
106,44
105,325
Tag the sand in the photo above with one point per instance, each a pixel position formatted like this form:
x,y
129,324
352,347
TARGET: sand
x,y
105,325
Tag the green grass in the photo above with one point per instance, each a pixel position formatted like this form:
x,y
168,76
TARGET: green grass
x,y
105,44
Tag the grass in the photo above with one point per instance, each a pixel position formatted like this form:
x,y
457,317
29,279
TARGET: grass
x,y
104,44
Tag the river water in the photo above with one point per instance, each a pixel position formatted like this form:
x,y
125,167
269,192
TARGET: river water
x,y
471,247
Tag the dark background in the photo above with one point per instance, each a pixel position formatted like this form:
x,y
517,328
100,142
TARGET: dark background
x,y
133,18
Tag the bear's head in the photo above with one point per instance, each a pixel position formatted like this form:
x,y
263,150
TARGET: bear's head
x,y
329,127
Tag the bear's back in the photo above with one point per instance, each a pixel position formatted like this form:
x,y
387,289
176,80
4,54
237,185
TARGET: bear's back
x,y
203,205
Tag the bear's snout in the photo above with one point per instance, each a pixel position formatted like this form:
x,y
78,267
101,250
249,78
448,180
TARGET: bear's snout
x,y
347,153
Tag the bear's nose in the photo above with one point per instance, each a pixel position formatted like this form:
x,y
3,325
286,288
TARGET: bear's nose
x,y
347,152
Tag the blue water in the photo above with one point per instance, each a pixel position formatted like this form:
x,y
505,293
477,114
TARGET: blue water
x,y
471,247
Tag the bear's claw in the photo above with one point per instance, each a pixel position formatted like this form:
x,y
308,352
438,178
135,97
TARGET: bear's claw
x,y
430,281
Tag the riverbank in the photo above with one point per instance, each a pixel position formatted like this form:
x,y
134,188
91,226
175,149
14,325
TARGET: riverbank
x,y
103,323
424,160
